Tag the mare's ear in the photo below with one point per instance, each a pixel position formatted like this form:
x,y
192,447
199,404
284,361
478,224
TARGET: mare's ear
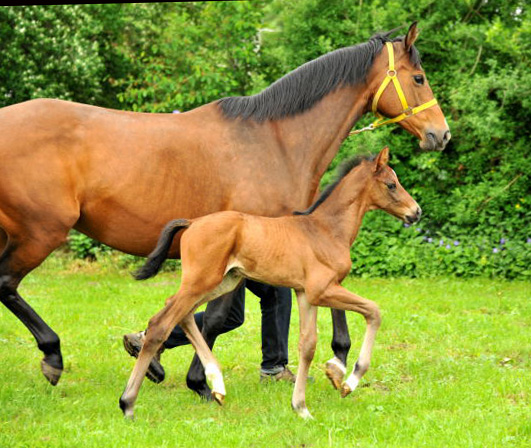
x,y
411,36
381,159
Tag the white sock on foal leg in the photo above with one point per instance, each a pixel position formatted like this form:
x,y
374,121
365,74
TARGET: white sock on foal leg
x,y
215,377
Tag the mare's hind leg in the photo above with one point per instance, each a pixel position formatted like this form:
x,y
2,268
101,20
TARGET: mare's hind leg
x,y
221,315
337,366
16,261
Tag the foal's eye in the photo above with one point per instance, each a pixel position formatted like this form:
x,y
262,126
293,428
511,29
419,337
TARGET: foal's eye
x,y
419,79
391,186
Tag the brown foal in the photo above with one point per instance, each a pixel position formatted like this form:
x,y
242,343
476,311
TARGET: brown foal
x,y
309,252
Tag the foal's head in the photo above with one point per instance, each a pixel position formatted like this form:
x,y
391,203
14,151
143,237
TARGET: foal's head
x,y
383,191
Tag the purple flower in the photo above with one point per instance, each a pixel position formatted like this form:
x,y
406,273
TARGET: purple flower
x,y
407,225
528,241
430,240
441,242
503,241
448,246
495,250
418,229
456,243
176,111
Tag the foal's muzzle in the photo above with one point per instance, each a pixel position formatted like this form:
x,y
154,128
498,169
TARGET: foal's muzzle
x,y
414,217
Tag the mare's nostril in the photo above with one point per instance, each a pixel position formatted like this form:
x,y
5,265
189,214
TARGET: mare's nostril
x,y
447,136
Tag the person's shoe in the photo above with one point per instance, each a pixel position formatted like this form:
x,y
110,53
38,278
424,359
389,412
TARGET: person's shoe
x,y
283,375
133,344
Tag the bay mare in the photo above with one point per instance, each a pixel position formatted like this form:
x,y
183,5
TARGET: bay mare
x,y
309,252
120,176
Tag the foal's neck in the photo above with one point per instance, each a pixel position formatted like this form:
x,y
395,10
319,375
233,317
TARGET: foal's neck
x,y
342,212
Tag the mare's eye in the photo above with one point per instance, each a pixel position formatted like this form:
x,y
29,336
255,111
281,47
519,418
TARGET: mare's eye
x,y
419,79
391,186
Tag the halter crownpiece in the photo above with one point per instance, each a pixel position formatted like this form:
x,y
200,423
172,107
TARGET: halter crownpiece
x,y
391,76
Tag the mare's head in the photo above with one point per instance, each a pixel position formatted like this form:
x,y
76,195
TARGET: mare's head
x,y
384,192
423,117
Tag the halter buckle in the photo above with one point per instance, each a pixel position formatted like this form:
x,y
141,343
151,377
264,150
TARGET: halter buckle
x,y
408,112
391,73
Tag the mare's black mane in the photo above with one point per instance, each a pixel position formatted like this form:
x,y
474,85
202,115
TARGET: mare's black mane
x,y
302,88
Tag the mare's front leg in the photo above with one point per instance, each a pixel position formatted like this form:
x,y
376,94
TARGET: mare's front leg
x,y
337,366
307,343
221,315
336,296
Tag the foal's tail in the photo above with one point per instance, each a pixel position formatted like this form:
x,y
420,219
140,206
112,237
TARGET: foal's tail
x,y
157,257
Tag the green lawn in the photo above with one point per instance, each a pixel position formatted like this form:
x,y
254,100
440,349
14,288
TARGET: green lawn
x,y
451,368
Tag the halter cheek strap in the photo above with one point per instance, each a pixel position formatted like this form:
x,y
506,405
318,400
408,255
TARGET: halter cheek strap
x,y
407,110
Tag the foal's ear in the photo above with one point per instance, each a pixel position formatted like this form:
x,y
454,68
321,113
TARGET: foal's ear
x,y
381,159
411,36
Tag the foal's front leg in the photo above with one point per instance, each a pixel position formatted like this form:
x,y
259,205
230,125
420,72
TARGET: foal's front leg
x,y
307,343
338,297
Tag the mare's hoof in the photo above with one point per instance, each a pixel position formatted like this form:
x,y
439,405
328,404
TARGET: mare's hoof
x,y
345,390
218,397
52,374
334,374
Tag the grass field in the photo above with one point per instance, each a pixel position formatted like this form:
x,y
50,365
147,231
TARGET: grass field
x,y
451,368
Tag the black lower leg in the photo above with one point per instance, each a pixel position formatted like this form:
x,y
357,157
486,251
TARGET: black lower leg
x,y
341,337
47,340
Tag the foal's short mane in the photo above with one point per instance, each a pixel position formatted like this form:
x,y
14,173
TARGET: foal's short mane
x,y
302,88
346,167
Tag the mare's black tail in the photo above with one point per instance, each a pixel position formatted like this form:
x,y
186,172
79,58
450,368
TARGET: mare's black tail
x,y
157,257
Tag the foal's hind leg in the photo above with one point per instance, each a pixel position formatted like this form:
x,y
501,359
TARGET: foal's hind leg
x,y
159,328
221,315
16,261
337,366
211,365
307,343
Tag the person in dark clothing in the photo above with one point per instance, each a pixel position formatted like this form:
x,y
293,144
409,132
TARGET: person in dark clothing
x,y
275,304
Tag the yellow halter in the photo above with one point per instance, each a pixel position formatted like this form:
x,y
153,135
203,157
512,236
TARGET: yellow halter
x,y
407,112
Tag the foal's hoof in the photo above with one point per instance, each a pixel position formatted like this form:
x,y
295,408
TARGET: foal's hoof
x,y
335,373
127,409
304,413
345,390
51,373
218,397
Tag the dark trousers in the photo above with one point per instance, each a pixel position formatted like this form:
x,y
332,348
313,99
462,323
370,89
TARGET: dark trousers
x,y
275,304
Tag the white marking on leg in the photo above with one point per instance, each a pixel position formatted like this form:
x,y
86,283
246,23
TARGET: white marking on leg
x,y
215,377
338,363
304,413
352,382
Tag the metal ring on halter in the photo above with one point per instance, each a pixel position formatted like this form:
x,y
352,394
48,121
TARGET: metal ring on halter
x,y
393,73
408,112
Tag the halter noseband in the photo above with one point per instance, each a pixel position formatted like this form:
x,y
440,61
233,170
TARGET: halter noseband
x,y
406,112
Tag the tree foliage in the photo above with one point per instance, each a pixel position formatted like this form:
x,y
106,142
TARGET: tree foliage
x,y
165,56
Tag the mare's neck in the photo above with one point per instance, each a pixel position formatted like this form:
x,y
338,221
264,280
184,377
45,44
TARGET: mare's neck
x,y
309,141
342,212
